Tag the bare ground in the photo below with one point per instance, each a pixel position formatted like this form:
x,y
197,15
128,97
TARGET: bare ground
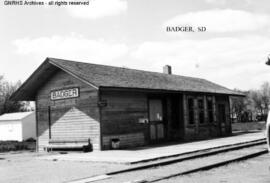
x,y
25,167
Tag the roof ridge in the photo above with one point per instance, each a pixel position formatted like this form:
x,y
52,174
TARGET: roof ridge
x,y
98,75
155,72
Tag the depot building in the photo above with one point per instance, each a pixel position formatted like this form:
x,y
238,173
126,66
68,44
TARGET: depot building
x,y
81,103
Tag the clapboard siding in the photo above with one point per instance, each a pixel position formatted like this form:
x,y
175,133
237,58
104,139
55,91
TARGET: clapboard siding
x,y
71,119
120,118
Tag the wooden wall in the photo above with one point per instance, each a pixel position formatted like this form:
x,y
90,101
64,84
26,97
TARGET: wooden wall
x,y
207,129
78,118
120,118
71,119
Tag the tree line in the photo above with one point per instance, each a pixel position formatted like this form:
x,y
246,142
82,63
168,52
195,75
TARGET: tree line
x,y
253,107
7,105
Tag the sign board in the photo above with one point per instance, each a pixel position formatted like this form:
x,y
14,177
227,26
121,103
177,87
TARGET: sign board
x,y
65,93
143,120
102,103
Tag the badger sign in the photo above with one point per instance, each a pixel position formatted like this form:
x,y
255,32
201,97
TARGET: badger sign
x,y
65,93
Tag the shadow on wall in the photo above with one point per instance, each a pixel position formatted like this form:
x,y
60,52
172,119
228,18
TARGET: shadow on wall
x,y
68,122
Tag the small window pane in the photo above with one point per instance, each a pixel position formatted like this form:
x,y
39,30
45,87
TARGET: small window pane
x,y
201,110
200,103
209,104
201,116
210,116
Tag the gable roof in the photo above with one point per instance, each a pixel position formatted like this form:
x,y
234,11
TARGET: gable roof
x,y
101,76
15,116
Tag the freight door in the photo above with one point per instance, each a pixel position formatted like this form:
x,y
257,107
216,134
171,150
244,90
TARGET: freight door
x,y
156,120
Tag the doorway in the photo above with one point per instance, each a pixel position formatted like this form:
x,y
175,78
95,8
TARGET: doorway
x,y
156,120
222,118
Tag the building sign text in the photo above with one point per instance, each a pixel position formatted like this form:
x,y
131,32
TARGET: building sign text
x,y
65,93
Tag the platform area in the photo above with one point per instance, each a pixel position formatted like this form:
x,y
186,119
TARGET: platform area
x,y
129,156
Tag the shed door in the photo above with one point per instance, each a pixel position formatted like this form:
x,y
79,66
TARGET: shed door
x,y
156,119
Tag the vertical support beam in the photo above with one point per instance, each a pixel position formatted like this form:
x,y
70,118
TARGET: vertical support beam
x,y
185,112
230,119
169,117
205,109
185,118
49,122
196,115
100,121
214,109
36,112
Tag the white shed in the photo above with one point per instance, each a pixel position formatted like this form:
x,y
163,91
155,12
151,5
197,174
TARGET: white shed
x,y
18,126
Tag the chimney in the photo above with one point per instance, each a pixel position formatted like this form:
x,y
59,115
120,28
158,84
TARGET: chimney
x,y
167,69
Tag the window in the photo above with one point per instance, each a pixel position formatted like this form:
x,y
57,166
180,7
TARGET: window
x,y
190,111
210,109
201,110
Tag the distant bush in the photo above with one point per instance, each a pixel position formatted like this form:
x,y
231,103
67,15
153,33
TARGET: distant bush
x,y
250,126
30,140
6,146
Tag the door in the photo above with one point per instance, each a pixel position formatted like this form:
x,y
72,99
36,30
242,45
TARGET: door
x,y
222,118
156,120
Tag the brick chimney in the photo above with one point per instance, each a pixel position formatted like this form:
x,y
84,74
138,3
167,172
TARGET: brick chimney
x,y
167,69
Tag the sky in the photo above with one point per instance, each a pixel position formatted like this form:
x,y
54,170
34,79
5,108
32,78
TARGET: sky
x,y
132,33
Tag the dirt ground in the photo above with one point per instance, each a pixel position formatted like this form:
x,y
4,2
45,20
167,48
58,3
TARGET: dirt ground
x,y
28,167
256,170
25,167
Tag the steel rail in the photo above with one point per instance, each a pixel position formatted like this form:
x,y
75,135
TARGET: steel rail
x,y
207,167
188,156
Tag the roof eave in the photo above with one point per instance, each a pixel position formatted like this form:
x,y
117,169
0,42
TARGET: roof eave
x,y
19,94
164,90
24,92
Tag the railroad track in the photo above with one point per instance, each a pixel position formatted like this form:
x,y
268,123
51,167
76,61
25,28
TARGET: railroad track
x,y
182,164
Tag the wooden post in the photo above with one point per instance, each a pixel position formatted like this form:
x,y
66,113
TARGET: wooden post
x,y
196,115
214,109
205,109
37,146
185,113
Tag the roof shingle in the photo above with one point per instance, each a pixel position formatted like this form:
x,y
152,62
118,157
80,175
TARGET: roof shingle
x,y
108,76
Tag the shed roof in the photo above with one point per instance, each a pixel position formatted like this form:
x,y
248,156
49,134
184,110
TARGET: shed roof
x,y
102,76
15,116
